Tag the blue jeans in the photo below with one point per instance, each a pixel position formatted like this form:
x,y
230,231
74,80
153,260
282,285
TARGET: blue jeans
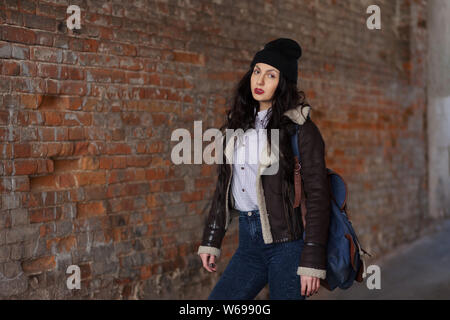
x,y
254,264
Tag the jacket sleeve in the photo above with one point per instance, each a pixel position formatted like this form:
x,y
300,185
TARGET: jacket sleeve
x,y
214,230
313,261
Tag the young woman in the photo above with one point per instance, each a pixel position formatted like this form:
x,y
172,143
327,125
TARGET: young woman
x,y
278,244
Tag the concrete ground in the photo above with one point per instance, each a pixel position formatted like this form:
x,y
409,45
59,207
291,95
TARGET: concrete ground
x,y
419,270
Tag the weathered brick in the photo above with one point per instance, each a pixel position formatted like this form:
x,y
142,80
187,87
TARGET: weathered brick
x,y
17,34
39,22
52,118
10,200
39,265
29,101
45,215
62,244
25,167
19,217
76,133
72,88
5,254
90,178
10,68
28,6
22,233
91,209
189,57
5,50
44,38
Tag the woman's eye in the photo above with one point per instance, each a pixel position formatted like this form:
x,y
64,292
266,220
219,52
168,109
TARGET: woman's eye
x,y
270,75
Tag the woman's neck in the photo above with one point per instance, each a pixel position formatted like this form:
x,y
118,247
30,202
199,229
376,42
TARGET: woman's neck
x,y
264,106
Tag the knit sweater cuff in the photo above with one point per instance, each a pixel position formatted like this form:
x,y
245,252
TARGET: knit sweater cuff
x,y
319,273
210,250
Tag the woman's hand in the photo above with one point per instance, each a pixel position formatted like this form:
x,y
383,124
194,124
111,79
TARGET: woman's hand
x,y
207,260
310,285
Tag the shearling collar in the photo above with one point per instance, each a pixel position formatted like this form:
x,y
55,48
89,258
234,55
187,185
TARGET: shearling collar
x,y
298,115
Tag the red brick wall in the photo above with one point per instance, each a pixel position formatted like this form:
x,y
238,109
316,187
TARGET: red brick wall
x,y
86,118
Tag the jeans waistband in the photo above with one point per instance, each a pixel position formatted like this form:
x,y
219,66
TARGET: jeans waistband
x,y
246,213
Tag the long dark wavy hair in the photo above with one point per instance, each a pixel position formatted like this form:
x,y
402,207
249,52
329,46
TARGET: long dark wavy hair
x,y
242,114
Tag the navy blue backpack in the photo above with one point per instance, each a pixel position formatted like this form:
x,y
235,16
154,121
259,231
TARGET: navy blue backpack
x,y
345,256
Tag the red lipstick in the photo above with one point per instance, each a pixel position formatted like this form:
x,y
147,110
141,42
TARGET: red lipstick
x,y
259,91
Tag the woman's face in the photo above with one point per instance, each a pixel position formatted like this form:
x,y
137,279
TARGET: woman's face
x,y
264,82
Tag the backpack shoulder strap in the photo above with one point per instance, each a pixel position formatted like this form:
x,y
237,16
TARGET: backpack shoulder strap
x,y
297,177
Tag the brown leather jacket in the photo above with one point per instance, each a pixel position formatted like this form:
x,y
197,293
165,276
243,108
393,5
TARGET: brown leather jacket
x,y
281,222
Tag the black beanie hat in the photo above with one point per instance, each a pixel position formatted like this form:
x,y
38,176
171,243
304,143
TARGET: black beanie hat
x,y
282,54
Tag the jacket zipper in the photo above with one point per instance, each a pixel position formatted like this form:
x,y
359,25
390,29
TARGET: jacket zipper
x,y
227,209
